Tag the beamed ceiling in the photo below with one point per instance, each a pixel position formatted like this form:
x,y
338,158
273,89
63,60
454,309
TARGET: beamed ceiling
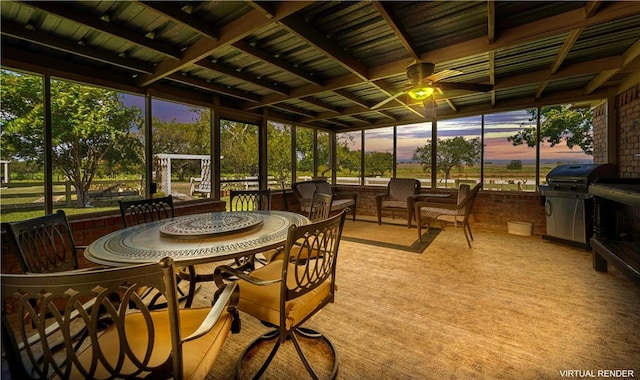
x,y
334,65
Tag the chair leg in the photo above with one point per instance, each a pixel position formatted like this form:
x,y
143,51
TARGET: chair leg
x,y
275,335
192,286
313,374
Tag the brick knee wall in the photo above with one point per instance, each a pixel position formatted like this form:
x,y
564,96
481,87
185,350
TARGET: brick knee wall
x,y
491,211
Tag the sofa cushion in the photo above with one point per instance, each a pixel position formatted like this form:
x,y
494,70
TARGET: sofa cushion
x,y
323,187
340,204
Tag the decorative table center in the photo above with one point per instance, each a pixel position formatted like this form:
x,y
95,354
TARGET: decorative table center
x,y
198,226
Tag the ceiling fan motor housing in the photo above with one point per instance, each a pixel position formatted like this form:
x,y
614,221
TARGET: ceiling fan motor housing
x,y
419,71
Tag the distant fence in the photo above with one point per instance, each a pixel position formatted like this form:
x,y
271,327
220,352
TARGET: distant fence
x,y
64,193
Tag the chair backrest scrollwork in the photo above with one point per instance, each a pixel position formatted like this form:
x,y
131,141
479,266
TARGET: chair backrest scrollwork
x,y
146,210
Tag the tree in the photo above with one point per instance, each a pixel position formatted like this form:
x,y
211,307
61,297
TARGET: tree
x,y
514,165
304,150
239,146
348,160
88,123
378,163
279,151
559,123
451,153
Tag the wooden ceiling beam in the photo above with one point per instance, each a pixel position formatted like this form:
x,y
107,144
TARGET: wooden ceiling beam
x,y
547,27
297,26
566,47
318,103
309,90
347,95
491,21
229,71
576,69
82,50
394,24
264,7
592,7
174,12
213,87
73,14
388,114
627,58
279,63
296,110
229,34
28,61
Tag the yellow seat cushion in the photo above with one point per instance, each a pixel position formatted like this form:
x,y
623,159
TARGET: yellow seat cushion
x,y
263,302
198,354
278,254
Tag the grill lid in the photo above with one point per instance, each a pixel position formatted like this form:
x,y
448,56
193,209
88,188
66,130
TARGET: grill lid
x,y
580,174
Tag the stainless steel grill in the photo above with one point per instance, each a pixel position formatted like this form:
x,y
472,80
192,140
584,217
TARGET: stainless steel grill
x,y
568,204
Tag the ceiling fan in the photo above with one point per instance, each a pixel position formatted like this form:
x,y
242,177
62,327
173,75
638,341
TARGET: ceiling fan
x,y
424,82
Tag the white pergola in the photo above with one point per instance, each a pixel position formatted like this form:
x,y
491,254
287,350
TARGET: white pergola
x,y
164,163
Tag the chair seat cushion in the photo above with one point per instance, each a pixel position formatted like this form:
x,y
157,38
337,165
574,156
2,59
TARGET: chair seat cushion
x,y
394,204
436,213
263,301
336,205
340,204
198,354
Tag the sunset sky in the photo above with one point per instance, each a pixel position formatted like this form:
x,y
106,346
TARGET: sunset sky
x,y
497,128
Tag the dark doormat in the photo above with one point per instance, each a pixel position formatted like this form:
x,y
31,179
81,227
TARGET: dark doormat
x,y
389,236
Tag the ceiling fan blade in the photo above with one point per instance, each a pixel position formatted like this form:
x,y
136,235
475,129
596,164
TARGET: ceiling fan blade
x,y
440,75
477,87
387,100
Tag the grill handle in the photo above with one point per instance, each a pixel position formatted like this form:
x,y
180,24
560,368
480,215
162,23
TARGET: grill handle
x,y
547,207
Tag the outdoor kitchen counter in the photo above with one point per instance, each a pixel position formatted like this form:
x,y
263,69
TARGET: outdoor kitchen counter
x,y
625,193
607,244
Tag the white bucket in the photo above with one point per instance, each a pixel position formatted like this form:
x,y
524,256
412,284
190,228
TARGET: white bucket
x,y
519,228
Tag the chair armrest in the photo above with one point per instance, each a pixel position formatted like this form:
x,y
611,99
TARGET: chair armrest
x,y
426,198
447,205
337,194
381,196
226,269
429,196
226,301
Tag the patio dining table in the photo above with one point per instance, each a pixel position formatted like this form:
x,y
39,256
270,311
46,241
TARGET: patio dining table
x,y
195,239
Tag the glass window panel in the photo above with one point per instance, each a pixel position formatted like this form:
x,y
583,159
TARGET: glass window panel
x,y
508,167
182,148
304,154
409,138
459,152
96,145
348,156
279,155
239,156
323,152
378,156
22,153
581,139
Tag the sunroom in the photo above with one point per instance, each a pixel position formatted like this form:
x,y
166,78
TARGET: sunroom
x,y
119,100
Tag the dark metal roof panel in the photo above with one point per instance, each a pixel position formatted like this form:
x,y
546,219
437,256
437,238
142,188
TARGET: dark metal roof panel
x,y
438,24
510,14
607,39
528,57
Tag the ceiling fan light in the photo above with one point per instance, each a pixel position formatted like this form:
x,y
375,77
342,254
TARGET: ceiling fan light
x,y
420,92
